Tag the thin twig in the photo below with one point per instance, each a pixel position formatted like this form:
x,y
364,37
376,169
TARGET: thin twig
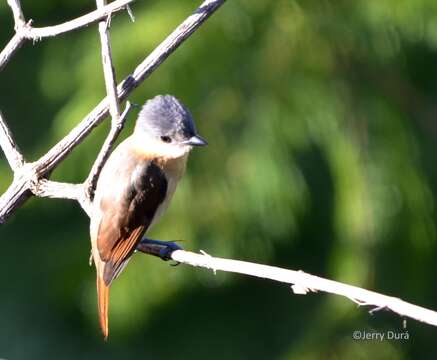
x,y
130,13
36,33
91,182
108,68
114,108
61,190
307,281
27,32
10,148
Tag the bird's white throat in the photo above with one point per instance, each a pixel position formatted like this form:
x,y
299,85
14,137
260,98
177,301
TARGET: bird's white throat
x,y
156,147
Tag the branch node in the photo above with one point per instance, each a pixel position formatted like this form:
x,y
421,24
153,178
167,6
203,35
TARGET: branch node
x,y
210,258
35,186
25,30
376,309
299,289
108,21
128,83
357,301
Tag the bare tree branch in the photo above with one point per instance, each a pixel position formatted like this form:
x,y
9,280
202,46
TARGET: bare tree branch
x,y
19,192
116,127
16,194
114,109
10,49
17,12
10,148
25,31
60,190
108,68
35,33
18,39
303,283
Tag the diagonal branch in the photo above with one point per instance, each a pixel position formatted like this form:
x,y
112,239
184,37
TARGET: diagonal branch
x,y
10,49
302,283
10,148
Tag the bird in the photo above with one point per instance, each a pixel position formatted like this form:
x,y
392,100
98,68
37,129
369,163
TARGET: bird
x,y
135,187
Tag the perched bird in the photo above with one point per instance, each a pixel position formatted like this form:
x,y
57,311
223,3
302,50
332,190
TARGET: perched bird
x,y
135,187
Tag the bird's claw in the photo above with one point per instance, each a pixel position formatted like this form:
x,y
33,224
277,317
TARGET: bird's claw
x,y
167,249
159,248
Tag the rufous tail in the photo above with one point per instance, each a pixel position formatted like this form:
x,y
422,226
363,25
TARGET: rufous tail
x,y
103,303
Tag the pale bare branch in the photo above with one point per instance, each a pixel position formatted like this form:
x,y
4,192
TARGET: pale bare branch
x,y
60,190
16,194
116,127
114,109
36,33
170,44
108,67
24,31
306,281
57,190
130,13
10,49
10,148
17,12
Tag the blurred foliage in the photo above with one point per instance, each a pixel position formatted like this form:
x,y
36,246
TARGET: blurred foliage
x,y
321,119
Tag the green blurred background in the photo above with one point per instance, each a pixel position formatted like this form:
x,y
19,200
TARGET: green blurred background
x,y
321,119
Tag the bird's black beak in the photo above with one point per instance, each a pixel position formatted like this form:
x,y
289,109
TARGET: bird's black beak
x,y
196,140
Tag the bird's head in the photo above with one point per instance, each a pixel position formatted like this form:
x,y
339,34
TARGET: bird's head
x,y
165,124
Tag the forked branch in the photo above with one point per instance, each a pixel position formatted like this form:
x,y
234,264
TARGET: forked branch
x,y
25,31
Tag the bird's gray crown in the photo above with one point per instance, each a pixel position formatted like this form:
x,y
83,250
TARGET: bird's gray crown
x,y
166,116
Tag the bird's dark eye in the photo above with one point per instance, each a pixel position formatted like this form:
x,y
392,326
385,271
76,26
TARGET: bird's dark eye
x,y
166,139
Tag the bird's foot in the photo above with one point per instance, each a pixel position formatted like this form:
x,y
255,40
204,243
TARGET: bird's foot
x,y
159,248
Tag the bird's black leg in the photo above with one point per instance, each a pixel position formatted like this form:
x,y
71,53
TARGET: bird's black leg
x,y
159,248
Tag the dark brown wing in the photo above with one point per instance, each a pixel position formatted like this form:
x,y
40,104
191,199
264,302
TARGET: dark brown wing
x,y
128,206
